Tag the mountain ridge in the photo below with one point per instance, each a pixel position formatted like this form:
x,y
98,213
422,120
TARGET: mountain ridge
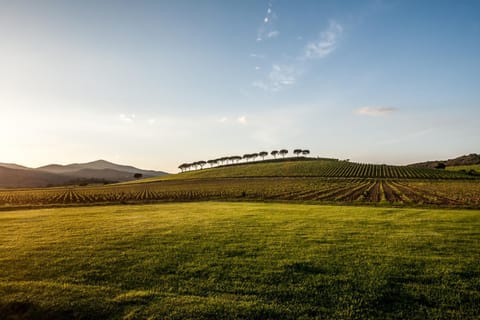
x,y
18,176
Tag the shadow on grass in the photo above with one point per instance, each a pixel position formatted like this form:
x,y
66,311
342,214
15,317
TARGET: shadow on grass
x,y
27,310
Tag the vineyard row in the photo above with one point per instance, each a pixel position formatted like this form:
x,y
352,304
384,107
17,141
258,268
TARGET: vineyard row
x,y
445,193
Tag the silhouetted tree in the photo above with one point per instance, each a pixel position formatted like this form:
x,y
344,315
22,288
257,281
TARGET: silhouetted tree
x,y
274,153
254,156
305,152
184,166
246,156
236,158
297,152
283,152
440,165
201,163
263,154
137,175
212,162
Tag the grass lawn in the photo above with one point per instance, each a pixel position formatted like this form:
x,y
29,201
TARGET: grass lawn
x,y
475,167
239,260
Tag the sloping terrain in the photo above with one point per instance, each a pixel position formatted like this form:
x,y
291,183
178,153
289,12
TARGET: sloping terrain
x,y
16,176
314,168
105,174
239,261
14,166
98,165
465,160
20,178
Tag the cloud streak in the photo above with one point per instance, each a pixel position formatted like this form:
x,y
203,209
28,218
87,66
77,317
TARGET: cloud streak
x,y
242,120
267,29
375,111
326,44
285,75
280,76
127,118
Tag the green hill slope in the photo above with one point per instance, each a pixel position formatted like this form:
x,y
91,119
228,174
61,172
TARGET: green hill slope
x,y
315,168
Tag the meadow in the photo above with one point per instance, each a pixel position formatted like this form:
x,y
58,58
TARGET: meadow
x,y
215,260
475,167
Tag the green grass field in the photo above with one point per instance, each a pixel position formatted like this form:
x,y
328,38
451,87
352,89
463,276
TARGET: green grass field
x,y
475,167
239,260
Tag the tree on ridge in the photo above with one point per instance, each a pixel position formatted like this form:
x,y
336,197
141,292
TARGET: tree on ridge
x,y
283,152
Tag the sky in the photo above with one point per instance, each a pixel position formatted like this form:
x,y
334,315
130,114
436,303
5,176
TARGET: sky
x,y
157,83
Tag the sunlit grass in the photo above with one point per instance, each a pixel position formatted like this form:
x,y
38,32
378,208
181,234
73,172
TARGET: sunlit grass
x,y
240,260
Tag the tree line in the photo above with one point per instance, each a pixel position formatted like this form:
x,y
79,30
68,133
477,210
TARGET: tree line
x,y
236,159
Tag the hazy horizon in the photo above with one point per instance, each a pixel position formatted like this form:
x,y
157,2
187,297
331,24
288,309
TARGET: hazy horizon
x,y
153,84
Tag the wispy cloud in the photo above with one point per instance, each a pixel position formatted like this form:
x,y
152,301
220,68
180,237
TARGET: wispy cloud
x,y
375,111
127,118
267,29
239,120
257,55
242,120
273,34
326,44
279,77
287,74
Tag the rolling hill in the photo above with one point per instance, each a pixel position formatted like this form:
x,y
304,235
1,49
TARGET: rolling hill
x,y
17,176
465,160
310,167
98,165
14,166
291,179
21,178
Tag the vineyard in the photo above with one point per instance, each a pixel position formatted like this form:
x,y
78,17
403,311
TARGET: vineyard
x,y
323,168
463,193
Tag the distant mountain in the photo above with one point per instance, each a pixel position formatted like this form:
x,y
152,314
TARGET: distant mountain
x,y
21,178
98,165
105,174
465,160
13,166
16,176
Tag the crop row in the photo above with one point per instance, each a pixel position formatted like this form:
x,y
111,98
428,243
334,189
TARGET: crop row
x,y
448,193
321,169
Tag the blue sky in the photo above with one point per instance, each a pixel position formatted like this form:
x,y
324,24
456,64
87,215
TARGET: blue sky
x,y
158,83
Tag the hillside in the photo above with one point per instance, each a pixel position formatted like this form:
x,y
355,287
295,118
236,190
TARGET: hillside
x,y
98,165
317,180
465,160
20,178
14,166
309,167
17,176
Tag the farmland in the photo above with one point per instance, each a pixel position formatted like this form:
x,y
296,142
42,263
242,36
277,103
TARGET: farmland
x,y
307,167
317,181
475,167
448,193
246,241
239,260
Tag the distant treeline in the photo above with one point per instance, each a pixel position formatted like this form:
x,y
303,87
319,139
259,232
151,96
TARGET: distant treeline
x,y
237,159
